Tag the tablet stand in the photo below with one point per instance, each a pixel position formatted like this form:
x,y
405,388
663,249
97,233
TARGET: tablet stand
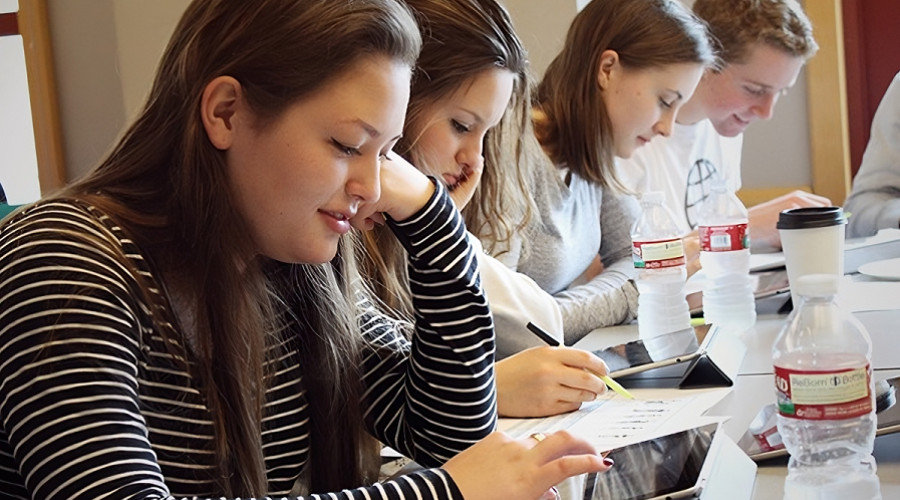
x,y
733,475
719,365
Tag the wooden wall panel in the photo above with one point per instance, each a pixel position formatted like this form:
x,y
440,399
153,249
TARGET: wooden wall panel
x,y
827,95
42,91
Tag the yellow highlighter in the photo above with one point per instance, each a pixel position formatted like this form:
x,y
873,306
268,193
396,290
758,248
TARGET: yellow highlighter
x,y
612,384
550,340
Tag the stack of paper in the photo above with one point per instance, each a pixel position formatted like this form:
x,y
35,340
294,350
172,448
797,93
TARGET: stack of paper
x,y
613,421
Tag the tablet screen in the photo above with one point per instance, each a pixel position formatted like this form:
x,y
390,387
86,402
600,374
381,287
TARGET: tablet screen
x,y
658,467
648,351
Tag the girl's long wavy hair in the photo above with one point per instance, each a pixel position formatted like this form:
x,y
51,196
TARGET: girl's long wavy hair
x,y
165,184
577,131
460,40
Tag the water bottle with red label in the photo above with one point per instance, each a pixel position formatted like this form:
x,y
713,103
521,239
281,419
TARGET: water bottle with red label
x,y
659,255
725,257
825,397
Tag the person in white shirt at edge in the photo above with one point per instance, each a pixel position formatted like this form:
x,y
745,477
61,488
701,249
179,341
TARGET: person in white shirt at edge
x,y
763,44
875,200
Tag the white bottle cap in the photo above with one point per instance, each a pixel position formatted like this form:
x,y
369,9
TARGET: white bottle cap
x,y
816,285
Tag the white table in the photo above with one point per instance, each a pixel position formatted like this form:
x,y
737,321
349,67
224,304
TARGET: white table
x,y
754,388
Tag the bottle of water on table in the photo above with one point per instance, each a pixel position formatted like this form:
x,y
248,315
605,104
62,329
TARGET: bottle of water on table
x,y
825,394
658,253
725,256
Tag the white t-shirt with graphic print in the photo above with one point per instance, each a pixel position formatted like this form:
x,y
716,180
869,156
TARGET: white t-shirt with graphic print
x,y
682,166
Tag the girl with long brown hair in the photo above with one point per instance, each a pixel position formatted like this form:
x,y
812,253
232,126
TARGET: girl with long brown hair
x,y
624,70
470,91
188,320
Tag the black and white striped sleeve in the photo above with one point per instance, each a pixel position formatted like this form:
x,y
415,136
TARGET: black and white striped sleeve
x,y
436,397
69,347
71,421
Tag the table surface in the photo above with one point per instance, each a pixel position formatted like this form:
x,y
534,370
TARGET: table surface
x,y
754,388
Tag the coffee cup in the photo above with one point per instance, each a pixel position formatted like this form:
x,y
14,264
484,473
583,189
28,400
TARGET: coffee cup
x,y
813,242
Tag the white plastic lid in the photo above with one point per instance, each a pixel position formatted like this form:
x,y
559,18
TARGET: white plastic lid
x,y
653,197
816,285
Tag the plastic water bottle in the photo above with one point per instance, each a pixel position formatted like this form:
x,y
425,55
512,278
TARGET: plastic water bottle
x,y
825,394
659,254
725,256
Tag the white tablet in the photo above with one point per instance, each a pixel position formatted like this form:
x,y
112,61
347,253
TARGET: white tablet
x,y
669,467
647,354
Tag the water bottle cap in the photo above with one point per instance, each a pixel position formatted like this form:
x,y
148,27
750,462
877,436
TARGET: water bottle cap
x,y
817,285
653,197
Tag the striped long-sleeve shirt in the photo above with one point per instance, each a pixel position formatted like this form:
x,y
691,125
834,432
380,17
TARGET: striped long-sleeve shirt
x,y
92,404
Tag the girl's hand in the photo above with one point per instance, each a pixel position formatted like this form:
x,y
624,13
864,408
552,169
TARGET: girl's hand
x,y
462,192
404,191
692,252
501,468
544,381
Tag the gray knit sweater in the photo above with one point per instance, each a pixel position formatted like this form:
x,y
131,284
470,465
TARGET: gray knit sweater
x,y
562,240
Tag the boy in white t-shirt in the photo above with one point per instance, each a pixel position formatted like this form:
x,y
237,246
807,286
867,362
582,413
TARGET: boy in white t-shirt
x,y
763,44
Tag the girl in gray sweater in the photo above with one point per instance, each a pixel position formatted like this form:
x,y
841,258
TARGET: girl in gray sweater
x,y
625,69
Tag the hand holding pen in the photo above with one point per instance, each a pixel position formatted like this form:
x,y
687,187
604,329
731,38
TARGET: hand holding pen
x,y
551,341
545,381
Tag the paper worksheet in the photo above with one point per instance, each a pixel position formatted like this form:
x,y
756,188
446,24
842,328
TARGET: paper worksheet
x,y
613,421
